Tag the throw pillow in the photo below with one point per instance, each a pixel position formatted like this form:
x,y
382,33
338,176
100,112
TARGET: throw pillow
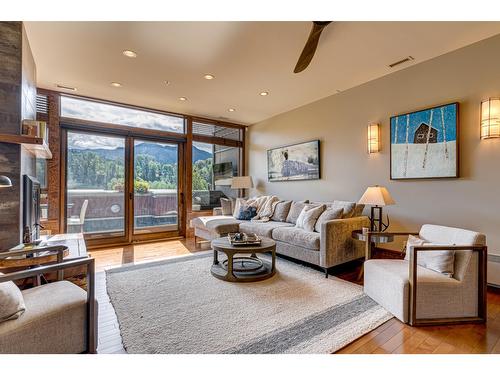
x,y
226,206
11,301
281,211
308,217
247,213
347,206
327,215
237,206
442,261
295,210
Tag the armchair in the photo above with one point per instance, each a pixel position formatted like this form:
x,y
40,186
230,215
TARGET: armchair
x,y
420,296
59,318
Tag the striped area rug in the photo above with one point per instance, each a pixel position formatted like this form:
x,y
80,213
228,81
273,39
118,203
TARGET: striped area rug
x,y
177,306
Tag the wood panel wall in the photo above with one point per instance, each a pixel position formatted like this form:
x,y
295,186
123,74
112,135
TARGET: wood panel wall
x,y
17,102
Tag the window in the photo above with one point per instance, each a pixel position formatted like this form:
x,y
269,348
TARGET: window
x,y
113,114
213,168
218,131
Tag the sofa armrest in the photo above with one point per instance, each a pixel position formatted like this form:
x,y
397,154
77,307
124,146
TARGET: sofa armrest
x,y
217,211
336,244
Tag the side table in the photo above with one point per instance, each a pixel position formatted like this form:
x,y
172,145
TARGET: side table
x,y
371,239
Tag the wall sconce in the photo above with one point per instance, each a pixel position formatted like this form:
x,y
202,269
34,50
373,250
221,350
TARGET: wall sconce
x,y
490,118
373,138
5,182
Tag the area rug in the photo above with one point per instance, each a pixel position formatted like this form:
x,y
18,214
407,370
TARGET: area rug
x,y
177,306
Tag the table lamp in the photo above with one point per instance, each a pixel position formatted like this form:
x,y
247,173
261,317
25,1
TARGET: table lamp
x,y
377,197
241,183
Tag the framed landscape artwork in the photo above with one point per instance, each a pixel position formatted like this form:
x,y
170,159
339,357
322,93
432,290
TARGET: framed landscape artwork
x,y
424,143
294,162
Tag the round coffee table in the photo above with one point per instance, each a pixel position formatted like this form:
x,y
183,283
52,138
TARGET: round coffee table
x,y
243,269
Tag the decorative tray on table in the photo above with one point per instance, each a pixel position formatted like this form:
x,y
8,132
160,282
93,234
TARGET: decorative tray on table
x,y
243,239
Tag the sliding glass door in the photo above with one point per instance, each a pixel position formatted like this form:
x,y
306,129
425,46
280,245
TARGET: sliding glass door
x,y
156,171
95,184
121,188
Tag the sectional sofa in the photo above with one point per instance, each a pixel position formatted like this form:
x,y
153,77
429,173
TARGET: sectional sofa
x,y
330,243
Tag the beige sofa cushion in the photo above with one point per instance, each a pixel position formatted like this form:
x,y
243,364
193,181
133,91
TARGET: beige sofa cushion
x,y
226,205
351,209
327,215
308,217
54,321
263,229
295,210
281,211
348,207
216,224
11,301
297,237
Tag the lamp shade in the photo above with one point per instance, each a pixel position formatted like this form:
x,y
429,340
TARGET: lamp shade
x,y
376,196
5,182
490,118
242,182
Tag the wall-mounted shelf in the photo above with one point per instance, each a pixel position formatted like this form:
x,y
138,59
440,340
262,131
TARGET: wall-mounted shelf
x,y
37,146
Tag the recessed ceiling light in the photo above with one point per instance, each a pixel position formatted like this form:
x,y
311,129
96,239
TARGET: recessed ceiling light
x,y
166,83
183,98
66,87
264,93
209,76
231,110
116,84
129,53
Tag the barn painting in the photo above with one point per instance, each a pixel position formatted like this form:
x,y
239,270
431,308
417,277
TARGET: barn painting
x,y
424,143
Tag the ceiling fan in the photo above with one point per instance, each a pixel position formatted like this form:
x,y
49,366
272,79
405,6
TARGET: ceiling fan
x,y
311,45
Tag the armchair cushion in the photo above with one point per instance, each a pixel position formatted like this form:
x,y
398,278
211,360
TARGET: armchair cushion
x,y
387,282
441,261
11,301
54,321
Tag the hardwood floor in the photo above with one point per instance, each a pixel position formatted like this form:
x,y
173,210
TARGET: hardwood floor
x,y
391,337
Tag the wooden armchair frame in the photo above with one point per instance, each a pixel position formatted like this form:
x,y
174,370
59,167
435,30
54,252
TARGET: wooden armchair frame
x,y
412,308
481,286
89,263
59,250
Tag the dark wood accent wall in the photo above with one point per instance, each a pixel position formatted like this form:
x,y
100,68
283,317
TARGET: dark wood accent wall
x,y
17,102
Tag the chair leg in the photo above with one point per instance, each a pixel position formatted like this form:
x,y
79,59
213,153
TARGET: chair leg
x,y
326,272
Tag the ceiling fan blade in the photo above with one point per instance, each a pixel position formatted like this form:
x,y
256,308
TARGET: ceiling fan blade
x,y
310,47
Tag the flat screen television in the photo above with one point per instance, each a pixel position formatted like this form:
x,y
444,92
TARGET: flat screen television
x,y
31,206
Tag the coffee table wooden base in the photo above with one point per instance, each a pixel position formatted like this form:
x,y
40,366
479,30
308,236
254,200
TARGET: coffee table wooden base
x,y
222,270
243,269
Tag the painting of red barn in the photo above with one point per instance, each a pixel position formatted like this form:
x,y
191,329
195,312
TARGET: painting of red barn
x,y
424,143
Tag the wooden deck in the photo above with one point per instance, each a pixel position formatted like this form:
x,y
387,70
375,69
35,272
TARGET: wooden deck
x,y
391,337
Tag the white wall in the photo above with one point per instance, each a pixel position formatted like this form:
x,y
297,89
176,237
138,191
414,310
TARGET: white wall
x,y
472,201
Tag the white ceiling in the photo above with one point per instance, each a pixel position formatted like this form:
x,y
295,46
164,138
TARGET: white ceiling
x,y
245,57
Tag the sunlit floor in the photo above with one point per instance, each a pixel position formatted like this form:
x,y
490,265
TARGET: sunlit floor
x,y
140,253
